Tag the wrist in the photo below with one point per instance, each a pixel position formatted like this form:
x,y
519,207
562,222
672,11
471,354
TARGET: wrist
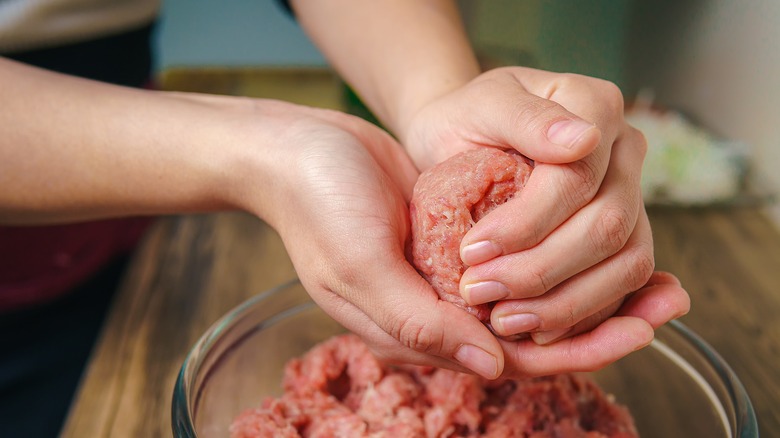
x,y
394,71
427,89
242,155
260,170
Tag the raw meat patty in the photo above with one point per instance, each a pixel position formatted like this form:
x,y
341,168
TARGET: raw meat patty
x,y
339,389
448,200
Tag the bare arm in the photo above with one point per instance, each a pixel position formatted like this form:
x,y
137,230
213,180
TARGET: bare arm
x,y
75,149
398,54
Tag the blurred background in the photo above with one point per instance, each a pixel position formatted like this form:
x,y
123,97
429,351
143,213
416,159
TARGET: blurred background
x,y
708,70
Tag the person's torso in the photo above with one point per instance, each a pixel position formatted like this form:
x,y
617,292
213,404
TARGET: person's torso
x,y
35,24
106,40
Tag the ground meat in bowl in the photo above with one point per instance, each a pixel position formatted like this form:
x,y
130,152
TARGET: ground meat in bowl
x,y
339,389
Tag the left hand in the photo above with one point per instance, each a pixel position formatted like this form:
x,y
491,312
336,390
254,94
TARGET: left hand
x,y
562,256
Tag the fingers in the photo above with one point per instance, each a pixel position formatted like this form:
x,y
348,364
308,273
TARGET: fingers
x,y
610,341
594,233
583,295
552,194
629,329
555,192
588,323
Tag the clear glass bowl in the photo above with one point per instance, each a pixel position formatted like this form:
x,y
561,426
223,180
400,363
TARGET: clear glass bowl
x,y
677,387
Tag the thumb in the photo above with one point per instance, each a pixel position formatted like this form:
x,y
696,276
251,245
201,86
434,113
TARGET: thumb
x,y
538,128
405,306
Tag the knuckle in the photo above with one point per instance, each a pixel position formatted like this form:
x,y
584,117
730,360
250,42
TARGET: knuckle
x,y
640,265
416,334
572,81
536,283
532,114
583,184
520,234
346,274
611,95
606,92
568,313
560,312
531,234
638,139
611,231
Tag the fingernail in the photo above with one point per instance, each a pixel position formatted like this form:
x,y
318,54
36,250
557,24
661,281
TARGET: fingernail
x,y
479,252
547,337
477,360
518,323
567,132
484,292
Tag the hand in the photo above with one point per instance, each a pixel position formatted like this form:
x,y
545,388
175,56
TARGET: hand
x,y
584,194
563,255
340,205
610,336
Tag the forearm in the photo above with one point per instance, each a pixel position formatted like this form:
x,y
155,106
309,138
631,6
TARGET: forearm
x,y
73,149
396,70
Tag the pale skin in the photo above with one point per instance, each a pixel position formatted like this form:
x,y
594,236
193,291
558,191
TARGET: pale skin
x,y
336,188
566,254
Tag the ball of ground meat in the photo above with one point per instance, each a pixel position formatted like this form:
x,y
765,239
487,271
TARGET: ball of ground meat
x,y
448,200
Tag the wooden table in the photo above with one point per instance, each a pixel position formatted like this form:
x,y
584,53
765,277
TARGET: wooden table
x,y
192,269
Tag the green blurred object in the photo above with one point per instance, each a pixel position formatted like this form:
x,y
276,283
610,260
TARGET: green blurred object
x,y
355,106
585,37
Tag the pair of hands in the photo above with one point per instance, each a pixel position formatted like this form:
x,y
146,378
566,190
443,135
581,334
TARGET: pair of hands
x,y
570,260
570,257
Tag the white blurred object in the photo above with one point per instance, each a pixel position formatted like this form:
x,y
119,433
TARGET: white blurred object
x,y
685,164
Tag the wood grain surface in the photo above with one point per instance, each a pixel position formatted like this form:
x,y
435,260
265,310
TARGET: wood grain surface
x,y
729,261
192,269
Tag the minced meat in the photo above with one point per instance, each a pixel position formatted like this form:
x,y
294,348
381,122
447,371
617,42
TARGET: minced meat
x,y
448,200
339,389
